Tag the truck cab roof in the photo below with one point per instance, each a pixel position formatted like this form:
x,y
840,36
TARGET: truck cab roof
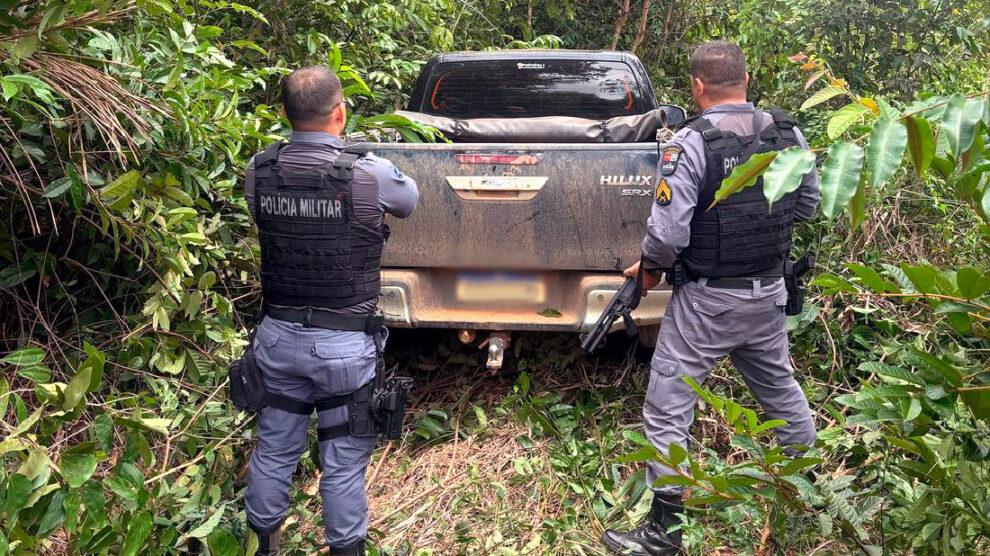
x,y
538,54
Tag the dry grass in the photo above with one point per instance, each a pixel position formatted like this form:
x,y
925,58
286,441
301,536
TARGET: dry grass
x,y
421,496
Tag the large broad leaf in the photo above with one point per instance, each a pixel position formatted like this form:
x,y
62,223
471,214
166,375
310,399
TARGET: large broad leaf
x,y
884,152
840,177
76,469
24,357
857,205
77,387
978,402
744,175
971,282
821,96
959,122
921,143
786,172
985,204
845,117
138,529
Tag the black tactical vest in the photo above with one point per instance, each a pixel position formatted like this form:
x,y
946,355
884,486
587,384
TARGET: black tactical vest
x,y
314,252
740,236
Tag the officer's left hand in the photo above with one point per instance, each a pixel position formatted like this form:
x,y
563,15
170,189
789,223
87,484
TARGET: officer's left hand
x,y
650,280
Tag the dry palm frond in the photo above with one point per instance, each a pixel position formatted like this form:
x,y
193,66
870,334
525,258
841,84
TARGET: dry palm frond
x,y
104,102
95,17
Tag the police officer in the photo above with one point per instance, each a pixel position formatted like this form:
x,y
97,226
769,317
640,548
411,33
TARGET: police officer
x,y
730,260
320,211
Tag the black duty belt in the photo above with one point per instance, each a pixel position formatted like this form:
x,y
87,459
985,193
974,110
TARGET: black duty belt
x,y
741,283
310,318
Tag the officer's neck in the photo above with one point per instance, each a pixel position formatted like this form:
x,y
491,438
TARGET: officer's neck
x,y
330,128
705,103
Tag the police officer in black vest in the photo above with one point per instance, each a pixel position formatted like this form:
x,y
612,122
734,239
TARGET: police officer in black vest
x,y
726,264
320,210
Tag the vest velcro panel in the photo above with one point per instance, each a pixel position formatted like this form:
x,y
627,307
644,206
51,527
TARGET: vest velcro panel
x,y
312,254
740,236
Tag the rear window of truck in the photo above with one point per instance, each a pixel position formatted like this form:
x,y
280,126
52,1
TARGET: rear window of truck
x,y
527,89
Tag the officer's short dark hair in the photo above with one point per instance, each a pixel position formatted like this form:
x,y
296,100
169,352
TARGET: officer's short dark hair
x,y
310,93
721,66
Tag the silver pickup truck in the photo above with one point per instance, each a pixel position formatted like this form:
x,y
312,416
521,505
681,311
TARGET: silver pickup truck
x,y
512,234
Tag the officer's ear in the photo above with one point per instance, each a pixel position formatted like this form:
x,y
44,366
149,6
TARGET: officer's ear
x,y
697,87
339,113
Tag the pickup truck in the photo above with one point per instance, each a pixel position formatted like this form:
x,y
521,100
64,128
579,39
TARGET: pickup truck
x,y
514,236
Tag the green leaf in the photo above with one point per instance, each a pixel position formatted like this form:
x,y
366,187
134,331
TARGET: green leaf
x,y
921,143
744,175
843,118
9,89
786,172
857,205
138,529
821,96
550,313
978,402
767,425
872,279
76,469
54,514
799,464
985,204
222,543
25,357
885,149
840,177
18,489
959,122
76,390
971,282
676,454
210,524
57,187
833,284
645,453
122,186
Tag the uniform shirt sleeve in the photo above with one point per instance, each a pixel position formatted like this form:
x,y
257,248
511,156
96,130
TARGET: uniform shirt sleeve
x,y
249,186
808,191
398,193
669,226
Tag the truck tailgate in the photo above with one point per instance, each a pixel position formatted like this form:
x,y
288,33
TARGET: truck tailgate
x,y
534,207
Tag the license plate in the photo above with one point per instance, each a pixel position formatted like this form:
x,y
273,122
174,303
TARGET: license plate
x,y
503,288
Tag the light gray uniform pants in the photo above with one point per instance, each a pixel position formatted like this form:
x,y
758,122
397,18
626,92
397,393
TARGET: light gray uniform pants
x,y
310,364
701,325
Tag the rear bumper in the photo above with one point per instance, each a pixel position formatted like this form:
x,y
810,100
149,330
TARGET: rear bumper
x,y
426,298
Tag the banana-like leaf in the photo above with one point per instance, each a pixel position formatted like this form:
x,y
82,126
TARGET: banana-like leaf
x,y
821,96
845,117
959,122
840,177
884,152
857,205
786,172
744,175
921,143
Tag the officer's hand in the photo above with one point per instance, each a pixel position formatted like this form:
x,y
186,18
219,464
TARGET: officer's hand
x,y
650,280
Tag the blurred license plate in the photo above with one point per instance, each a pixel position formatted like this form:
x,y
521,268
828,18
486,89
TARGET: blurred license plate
x,y
501,287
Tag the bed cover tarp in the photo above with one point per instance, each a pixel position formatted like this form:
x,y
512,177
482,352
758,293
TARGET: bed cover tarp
x,y
551,129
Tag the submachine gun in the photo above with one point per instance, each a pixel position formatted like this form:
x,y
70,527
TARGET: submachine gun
x,y
622,305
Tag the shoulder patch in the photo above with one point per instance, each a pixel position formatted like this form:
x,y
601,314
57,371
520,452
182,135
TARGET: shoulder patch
x,y
663,194
669,158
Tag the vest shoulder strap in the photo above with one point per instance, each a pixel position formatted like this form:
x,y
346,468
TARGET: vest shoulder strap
x,y
342,167
270,154
785,124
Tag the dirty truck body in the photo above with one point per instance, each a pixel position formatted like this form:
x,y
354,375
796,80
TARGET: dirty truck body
x,y
521,236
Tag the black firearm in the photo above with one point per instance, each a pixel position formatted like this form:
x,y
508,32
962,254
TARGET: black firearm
x,y
621,305
793,271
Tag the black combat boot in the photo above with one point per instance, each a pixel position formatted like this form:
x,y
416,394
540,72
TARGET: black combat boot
x,y
651,537
268,540
355,549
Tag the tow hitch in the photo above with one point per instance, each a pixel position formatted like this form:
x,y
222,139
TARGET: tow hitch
x,y
497,343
